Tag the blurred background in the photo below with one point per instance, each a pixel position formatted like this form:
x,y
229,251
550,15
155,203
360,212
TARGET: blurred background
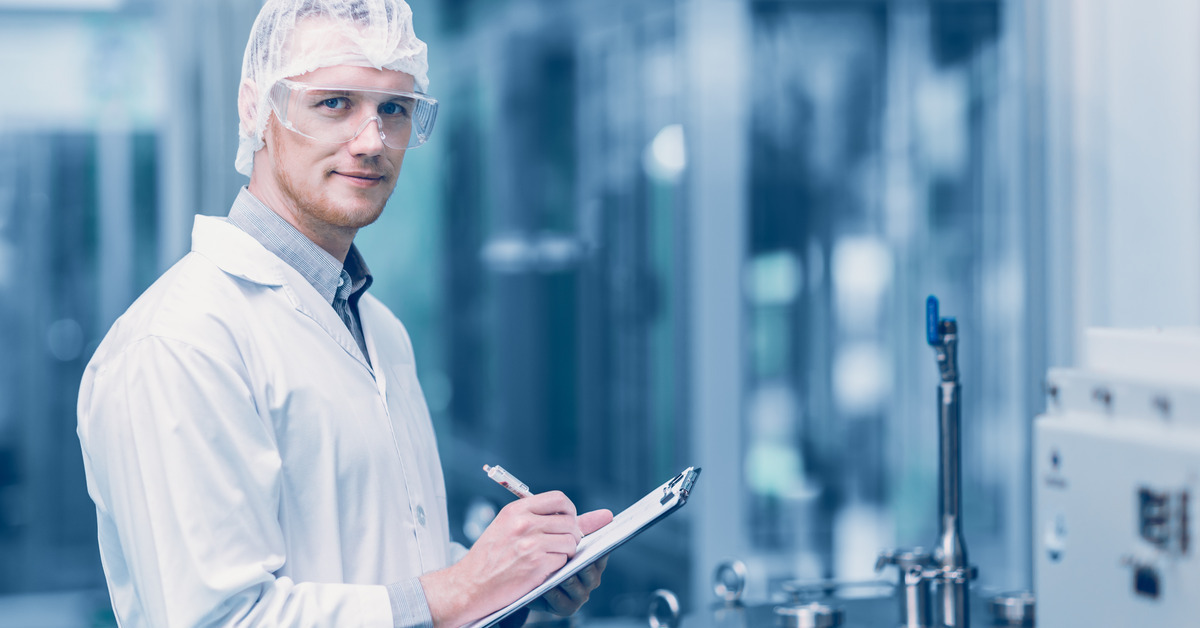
x,y
645,234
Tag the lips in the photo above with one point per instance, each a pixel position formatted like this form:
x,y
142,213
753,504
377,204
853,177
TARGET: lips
x,y
373,176
363,180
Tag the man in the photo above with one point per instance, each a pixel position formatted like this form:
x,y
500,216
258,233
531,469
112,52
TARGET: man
x,y
253,432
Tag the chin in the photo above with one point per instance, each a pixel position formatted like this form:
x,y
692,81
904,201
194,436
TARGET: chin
x,y
357,217
355,208
369,217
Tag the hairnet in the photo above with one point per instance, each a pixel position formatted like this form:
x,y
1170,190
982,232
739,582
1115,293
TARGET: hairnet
x,y
291,37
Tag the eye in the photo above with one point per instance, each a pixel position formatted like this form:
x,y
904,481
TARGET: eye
x,y
334,103
394,108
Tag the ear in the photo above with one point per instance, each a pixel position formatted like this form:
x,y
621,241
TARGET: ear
x,y
247,106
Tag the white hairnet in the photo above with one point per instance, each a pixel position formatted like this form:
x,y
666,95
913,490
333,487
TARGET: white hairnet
x,y
291,37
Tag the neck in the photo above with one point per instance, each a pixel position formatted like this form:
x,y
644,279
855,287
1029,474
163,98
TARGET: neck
x,y
333,239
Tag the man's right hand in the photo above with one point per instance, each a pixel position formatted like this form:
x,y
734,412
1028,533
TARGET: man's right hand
x,y
530,539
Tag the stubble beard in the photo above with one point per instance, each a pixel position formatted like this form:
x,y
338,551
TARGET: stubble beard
x,y
317,205
321,207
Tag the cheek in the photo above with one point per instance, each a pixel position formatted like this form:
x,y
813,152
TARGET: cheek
x,y
312,154
397,160
296,154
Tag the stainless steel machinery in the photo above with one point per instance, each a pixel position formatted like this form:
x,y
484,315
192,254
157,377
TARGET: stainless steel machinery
x,y
947,566
933,588
953,574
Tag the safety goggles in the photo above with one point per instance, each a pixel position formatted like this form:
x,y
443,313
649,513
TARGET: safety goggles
x,y
338,114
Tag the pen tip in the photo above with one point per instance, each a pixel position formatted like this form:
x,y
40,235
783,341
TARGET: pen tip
x,y
485,468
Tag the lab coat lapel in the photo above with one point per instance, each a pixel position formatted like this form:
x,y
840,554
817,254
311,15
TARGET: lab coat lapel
x,y
368,328
239,254
310,303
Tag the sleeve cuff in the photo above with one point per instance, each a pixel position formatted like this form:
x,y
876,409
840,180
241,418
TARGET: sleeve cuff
x,y
409,608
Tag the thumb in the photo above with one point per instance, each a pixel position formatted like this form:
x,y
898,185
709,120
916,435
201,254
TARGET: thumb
x,y
589,522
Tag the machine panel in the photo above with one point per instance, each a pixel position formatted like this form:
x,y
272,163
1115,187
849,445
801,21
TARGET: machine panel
x,y
1116,469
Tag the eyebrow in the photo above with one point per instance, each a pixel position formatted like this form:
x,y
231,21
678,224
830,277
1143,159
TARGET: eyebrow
x,y
328,91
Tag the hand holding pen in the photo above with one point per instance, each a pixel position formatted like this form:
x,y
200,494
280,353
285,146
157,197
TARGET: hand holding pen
x,y
567,597
529,539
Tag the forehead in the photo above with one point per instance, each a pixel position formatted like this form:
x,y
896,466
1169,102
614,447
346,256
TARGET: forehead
x,y
356,76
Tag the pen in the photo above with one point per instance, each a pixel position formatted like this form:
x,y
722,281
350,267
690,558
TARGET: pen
x,y
507,480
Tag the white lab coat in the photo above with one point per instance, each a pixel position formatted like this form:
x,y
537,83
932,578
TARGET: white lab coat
x,y
248,467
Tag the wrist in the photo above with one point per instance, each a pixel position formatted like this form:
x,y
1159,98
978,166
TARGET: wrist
x,y
450,598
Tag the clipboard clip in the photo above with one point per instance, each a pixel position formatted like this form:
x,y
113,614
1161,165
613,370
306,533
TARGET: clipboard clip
x,y
680,484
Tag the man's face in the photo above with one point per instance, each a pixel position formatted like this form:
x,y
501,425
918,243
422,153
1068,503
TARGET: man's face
x,y
335,185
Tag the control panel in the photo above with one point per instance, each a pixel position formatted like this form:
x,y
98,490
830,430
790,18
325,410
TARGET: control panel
x,y
1116,470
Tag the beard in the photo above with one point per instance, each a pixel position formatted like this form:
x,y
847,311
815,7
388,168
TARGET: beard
x,y
320,206
314,200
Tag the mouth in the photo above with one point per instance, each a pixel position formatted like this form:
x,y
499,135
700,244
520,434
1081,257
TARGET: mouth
x,y
362,179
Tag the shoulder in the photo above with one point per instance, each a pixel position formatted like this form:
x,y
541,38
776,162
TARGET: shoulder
x,y
193,303
188,326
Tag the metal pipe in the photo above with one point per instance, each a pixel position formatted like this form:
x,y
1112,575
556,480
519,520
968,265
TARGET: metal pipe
x,y
915,577
950,555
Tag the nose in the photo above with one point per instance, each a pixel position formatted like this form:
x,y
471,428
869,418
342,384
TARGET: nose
x,y
367,141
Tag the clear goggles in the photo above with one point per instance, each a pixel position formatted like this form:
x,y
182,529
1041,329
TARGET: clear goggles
x,y
338,114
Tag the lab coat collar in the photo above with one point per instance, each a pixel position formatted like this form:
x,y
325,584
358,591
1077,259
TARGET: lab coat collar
x,y
235,251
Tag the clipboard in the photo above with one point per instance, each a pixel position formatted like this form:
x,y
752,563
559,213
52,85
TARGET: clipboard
x,y
645,512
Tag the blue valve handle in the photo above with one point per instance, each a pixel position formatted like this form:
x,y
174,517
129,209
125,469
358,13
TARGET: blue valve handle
x,y
933,324
931,321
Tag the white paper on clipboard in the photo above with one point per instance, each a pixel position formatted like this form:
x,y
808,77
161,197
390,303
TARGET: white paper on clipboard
x,y
642,514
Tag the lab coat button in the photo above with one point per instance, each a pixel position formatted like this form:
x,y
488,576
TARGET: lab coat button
x,y
421,515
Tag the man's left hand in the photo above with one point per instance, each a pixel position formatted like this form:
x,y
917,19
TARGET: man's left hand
x,y
567,597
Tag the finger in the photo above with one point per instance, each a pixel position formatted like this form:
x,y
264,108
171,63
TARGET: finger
x,y
548,503
562,544
575,589
554,524
558,602
557,524
589,522
557,562
524,523
590,577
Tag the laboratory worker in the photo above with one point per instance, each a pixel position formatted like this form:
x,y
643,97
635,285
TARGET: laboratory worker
x,y
254,435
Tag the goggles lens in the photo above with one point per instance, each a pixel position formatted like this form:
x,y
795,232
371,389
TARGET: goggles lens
x,y
335,114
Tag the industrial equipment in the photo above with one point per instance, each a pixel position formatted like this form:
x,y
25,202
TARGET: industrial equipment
x,y
1116,469
943,574
947,566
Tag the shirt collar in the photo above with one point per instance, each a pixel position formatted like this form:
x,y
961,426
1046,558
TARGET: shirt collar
x,y
322,270
357,272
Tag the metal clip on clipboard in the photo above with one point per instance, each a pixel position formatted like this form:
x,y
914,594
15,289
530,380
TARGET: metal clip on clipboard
x,y
687,477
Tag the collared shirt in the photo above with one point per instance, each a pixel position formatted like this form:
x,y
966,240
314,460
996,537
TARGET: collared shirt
x,y
340,284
